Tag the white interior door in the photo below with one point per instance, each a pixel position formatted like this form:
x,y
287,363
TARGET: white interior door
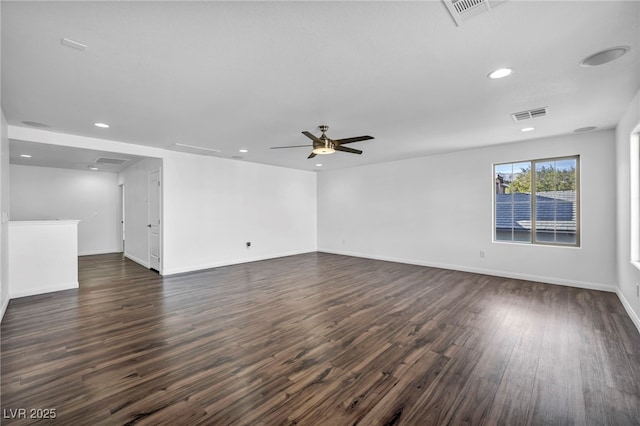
x,y
121,215
155,191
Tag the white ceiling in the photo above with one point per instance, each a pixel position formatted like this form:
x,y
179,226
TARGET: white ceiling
x,y
46,155
232,75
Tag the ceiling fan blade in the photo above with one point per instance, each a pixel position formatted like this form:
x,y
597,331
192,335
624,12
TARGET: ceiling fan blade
x,y
313,138
345,149
291,146
351,140
313,154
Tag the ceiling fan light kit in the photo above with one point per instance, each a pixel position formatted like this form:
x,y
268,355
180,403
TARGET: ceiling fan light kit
x,y
323,150
323,145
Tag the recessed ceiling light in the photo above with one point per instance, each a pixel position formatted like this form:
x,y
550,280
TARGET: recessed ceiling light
x,y
25,155
92,168
101,125
243,150
604,56
500,73
585,129
528,129
318,165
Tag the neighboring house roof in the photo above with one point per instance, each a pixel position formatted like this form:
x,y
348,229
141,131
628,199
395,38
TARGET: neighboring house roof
x,y
555,210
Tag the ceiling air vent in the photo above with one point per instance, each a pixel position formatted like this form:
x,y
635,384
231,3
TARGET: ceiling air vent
x,y
532,113
107,160
191,149
461,10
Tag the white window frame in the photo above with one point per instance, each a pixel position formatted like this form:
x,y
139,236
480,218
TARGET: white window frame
x,y
534,240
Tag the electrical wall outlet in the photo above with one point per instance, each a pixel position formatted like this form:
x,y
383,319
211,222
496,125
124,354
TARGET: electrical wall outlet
x,y
481,253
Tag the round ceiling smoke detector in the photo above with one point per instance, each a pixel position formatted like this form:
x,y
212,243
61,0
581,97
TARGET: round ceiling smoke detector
x,y
604,56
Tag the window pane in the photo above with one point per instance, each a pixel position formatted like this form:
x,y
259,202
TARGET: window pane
x,y
545,236
566,175
566,238
504,234
503,230
556,201
545,218
513,202
522,236
502,174
545,177
520,180
513,220
522,218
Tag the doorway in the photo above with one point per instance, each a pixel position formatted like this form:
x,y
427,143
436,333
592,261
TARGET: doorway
x,y
154,223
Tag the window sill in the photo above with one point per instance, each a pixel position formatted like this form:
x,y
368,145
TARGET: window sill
x,y
520,243
636,264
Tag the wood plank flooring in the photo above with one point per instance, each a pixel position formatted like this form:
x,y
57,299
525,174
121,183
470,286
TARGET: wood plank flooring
x,y
318,339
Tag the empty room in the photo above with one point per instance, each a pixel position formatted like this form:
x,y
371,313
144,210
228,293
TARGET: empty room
x,y
320,213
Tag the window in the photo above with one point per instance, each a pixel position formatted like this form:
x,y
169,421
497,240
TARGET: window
x,y
539,207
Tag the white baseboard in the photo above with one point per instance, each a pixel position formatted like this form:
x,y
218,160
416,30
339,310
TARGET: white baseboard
x,y
42,290
200,267
3,309
627,306
137,260
93,252
493,272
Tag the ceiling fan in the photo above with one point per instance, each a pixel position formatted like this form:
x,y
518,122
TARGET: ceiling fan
x,y
323,145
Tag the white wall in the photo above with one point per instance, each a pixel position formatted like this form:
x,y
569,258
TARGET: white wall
x,y
53,266
4,201
628,275
438,211
4,216
42,193
135,180
213,206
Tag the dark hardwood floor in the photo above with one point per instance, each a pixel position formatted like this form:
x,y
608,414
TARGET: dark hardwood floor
x,y
318,339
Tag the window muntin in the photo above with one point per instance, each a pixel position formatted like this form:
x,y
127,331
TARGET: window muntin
x,y
550,193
